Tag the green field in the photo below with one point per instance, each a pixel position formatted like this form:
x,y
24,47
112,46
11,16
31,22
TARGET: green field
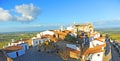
x,y
6,38
114,34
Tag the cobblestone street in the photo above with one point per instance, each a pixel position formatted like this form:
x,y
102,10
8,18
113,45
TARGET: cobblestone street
x,y
33,55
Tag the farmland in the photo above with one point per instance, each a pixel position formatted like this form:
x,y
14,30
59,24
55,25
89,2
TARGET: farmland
x,y
113,34
6,38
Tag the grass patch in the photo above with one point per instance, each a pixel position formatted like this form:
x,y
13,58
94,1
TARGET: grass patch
x,y
5,38
114,35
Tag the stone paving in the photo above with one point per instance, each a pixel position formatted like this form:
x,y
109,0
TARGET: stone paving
x,y
33,55
115,55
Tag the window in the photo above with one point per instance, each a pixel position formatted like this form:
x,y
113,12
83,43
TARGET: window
x,y
98,54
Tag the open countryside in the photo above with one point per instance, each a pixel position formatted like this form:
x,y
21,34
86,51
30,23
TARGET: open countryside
x,y
59,30
7,38
63,45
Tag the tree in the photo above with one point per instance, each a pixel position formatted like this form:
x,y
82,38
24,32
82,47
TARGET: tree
x,y
70,38
107,37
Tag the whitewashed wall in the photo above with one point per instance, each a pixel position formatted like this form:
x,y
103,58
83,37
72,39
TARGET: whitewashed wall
x,y
14,55
95,57
25,46
47,32
72,46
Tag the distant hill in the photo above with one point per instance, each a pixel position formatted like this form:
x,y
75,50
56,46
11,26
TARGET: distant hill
x,y
108,29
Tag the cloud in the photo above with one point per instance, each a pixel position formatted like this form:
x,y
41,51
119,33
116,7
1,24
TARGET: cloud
x,y
107,23
5,15
22,13
28,12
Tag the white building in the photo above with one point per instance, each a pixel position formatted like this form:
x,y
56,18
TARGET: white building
x,y
70,28
24,46
73,46
96,49
20,43
36,41
96,43
96,35
96,56
38,35
14,51
47,33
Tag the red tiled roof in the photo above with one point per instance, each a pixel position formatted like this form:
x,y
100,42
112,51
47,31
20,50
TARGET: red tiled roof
x,y
12,48
56,32
60,32
96,49
53,39
45,36
75,51
100,39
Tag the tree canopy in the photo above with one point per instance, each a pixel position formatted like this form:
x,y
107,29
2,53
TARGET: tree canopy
x,y
70,38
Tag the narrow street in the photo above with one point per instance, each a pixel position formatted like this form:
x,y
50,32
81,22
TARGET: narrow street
x,y
115,55
33,55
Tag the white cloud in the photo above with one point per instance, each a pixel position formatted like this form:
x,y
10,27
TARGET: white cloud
x,y
5,15
28,12
107,23
22,13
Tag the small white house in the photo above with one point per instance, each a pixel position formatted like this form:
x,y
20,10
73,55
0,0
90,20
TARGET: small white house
x,y
47,33
21,43
14,51
36,41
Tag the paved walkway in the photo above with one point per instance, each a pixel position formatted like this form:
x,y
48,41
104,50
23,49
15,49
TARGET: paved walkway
x,y
115,55
33,55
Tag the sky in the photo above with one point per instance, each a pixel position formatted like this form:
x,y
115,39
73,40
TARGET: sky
x,y
35,15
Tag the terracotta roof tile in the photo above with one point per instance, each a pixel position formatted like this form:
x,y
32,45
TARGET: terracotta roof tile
x,y
100,39
53,39
12,48
96,49
75,51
